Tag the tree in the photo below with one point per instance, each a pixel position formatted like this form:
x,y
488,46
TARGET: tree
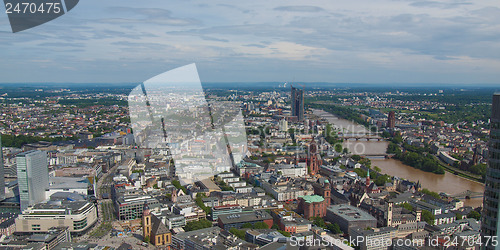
x,y
178,185
247,225
428,192
458,216
382,179
199,202
407,206
334,228
377,169
338,147
365,161
428,217
474,214
284,233
479,169
196,225
238,233
393,148
356,157
260,225
318,221
146,239
386,134
361,173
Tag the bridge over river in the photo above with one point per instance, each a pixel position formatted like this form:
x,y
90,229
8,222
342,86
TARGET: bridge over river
x,y
467,195
361,136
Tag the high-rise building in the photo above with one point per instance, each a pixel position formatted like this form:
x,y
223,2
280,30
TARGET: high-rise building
x,y
32,177
2,177
298,103
391,120
490,223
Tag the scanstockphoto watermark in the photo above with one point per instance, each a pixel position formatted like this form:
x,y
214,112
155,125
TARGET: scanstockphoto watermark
x,y
447,241
358,241
26,14
355,142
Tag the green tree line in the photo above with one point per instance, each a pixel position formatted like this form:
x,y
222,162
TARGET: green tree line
x,y
17,141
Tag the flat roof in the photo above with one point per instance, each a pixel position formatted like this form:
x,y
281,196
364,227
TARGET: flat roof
x,y
210,185
245,217
350,213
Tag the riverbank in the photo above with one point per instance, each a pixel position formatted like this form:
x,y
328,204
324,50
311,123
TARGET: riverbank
x,y
447,168
448,183
459,172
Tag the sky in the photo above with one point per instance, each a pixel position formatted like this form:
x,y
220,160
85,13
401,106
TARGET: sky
x,y
363,41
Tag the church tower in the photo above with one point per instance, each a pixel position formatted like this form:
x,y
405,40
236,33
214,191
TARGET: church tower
x,y
368,179
146,222
313,161
389,213
419,215
327,193
174,196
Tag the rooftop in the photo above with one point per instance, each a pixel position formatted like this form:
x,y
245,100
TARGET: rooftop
x,y
350,213
245,217
312,198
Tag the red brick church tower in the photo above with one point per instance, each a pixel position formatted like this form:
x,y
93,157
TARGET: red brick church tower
x,y
314,160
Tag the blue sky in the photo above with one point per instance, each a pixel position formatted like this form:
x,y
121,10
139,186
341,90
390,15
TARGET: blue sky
x,y
365,41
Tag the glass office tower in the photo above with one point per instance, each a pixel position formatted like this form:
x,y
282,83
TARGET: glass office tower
x,y
2,177
32,177
490,223
298,103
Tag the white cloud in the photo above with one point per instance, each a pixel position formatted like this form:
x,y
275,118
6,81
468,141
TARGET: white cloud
x,y
125,40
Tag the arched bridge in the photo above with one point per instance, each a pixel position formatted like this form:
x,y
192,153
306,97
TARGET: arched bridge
x,y
361,136
468,195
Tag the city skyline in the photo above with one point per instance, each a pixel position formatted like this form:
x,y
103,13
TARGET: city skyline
x,y
366,125
384,42
323,175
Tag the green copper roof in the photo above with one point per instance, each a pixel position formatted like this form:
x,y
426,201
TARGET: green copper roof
x,y
312,198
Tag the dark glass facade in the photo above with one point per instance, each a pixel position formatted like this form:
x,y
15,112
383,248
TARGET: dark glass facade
x,y
298,103
490,224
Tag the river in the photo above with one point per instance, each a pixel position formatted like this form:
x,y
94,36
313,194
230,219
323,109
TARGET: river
x,y
448,183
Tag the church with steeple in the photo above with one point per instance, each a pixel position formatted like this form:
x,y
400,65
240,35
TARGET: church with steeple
x,y
371,187
154,229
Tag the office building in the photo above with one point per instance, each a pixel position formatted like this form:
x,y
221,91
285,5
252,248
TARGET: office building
x,y
2,179
66,209
228,221
349,217
223,210
208,238
130,207
298,103
490,224
32,177
46,240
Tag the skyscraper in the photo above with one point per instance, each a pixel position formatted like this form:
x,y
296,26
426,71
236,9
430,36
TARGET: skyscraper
x,y
2,177
490,224
32,177
298,103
